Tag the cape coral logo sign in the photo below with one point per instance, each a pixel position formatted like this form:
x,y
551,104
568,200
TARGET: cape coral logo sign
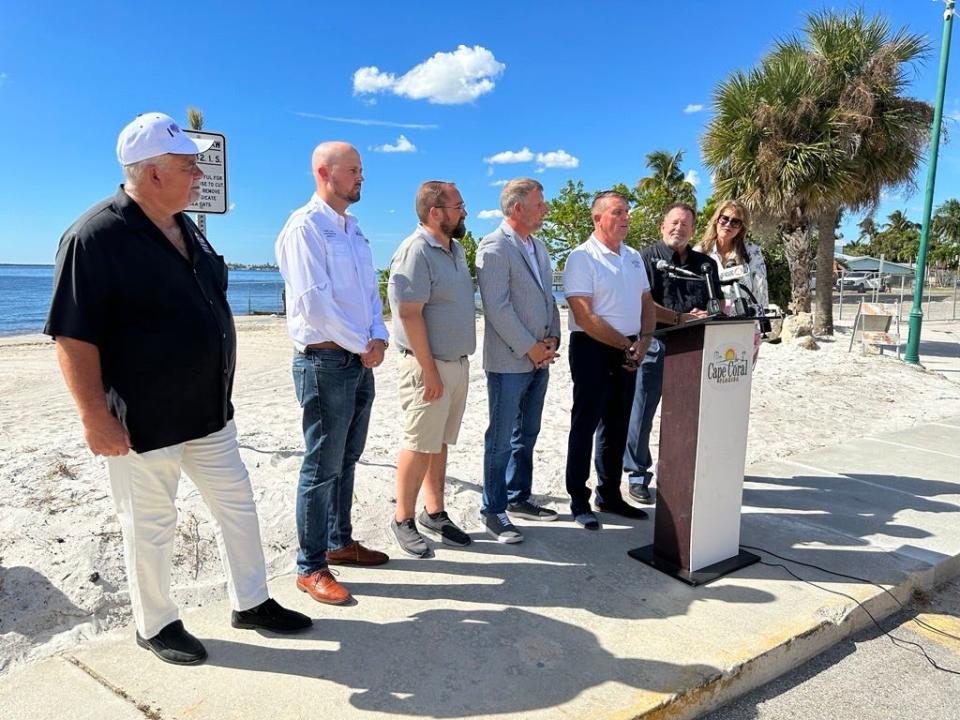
x,y
729,364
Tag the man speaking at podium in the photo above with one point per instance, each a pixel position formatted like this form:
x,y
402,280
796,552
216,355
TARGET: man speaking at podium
x,y
677,298
607,291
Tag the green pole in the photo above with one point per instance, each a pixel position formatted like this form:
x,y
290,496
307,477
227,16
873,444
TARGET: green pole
x,y
912,354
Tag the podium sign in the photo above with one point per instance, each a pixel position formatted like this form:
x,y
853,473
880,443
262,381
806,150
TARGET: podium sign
x,y
703,442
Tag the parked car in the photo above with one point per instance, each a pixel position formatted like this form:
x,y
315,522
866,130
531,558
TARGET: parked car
x,y
862,281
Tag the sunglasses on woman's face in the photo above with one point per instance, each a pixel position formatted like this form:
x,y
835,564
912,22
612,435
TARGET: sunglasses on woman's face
x,y
726,220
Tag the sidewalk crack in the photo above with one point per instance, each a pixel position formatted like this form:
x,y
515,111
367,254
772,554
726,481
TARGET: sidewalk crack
x,y
144,708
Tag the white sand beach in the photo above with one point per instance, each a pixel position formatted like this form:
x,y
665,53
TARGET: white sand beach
x,y
61,567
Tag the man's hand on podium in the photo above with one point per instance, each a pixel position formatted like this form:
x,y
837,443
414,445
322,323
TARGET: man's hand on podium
x,y
695,314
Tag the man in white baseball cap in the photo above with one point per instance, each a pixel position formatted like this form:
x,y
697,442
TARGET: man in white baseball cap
x,y
147,346
153,134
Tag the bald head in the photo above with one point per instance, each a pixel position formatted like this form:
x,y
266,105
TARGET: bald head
x,y
338,173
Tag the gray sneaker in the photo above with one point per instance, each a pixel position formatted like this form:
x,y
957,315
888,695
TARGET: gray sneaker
x,y
442,526
409,539
502,530
530,511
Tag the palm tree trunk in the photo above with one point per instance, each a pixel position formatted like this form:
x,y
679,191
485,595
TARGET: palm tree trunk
x,y
823,317
796,245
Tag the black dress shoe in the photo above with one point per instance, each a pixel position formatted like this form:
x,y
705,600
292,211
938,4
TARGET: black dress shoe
x,y
641,494
622,508
269,615
174,645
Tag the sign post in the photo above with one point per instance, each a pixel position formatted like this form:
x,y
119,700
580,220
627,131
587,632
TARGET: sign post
x,y
213,185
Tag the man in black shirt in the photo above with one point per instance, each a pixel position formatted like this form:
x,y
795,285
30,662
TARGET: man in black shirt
x,y
146,344
676,300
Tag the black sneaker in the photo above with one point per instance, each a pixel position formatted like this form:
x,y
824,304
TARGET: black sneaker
x,y
623,509
409,538
641,493
442,526
174,645
587,520
270,615
501,529
531,511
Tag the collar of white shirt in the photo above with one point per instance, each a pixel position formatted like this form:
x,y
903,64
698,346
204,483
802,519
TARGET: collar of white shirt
x,y
344,222
600,247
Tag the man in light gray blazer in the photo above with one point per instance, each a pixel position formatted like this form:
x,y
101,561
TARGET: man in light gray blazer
x,y
520,340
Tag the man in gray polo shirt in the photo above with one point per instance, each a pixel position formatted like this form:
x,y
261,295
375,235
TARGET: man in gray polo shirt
x,y
431,299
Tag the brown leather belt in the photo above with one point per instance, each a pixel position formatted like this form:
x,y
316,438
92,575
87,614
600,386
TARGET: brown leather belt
x,y
326,345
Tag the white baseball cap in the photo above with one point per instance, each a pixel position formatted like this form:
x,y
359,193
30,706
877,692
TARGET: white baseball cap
x,y
154,134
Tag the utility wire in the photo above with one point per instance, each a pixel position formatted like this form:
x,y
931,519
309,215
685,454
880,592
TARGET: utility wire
x,y
898,642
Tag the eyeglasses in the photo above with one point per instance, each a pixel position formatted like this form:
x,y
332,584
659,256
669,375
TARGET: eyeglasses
x,y
726,220
459,206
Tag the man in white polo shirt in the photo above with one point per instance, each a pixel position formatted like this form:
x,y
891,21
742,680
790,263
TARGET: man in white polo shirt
x,y
335,319
608,293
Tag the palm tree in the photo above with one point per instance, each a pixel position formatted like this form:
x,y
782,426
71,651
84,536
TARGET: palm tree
x,y
882,133
667,177
868,230
946,228
898,222
771,144
195,118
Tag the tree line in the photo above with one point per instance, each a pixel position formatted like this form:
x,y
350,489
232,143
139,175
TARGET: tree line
x,y
820,126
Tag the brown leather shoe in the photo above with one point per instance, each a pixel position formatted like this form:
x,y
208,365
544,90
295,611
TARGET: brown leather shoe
x,y
323,587
356,554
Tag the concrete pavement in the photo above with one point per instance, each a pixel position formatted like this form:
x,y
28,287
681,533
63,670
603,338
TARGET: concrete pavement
x,y
564,623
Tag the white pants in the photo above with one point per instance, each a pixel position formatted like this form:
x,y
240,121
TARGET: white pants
x,y
144,487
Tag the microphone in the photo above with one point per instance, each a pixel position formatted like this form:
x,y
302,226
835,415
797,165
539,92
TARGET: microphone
x,y
664,266
713,304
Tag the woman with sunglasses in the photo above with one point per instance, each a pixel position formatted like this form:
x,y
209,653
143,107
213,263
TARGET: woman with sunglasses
x,y
725,242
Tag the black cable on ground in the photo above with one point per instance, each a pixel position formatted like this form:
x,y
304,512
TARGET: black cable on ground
x,y
898,642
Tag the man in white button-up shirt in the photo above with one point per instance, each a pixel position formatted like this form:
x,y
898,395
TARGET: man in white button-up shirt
x,y
335,320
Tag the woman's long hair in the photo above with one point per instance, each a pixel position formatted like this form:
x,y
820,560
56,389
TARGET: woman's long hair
x,y
708,243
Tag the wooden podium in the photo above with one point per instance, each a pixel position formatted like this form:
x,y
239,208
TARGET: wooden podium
x,y
703,443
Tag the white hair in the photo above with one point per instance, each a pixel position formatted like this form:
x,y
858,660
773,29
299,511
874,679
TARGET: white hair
x,y
134,171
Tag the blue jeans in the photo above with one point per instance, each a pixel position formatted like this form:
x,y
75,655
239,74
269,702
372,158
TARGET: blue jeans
x,y
336,394
646,397
515,401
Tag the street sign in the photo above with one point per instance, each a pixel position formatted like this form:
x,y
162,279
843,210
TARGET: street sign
x,y
213,186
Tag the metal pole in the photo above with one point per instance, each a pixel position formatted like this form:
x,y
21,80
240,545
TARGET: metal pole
x,y
912,354
202,223
903,283
954,315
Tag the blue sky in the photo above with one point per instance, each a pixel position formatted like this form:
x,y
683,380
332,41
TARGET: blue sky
x,y
569,89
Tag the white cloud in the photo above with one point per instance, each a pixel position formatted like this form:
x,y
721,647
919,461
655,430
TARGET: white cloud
x,y
509,156
499,183
3,78
367,122
489,214
556,159
402,146
693,108
693,177
232,206
553,159
447,78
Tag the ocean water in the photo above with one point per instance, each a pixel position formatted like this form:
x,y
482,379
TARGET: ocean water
x,y
25,295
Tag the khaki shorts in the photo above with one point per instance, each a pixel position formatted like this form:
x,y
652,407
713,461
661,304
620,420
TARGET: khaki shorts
x,y
428,426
